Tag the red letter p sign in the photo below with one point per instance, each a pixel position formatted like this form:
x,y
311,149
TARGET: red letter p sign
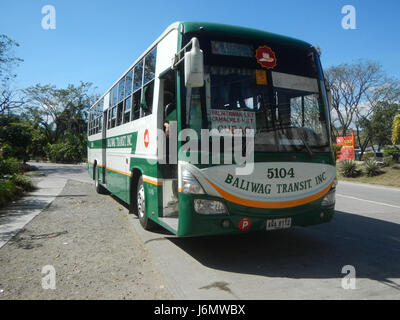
x,y
244,224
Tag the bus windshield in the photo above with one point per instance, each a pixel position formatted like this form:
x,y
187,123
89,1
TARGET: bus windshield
x,y
287,111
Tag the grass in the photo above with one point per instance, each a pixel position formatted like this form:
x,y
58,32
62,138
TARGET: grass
x,y
389,177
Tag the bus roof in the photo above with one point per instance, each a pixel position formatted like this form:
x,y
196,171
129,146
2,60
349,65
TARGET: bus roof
x,y
242,32
216,28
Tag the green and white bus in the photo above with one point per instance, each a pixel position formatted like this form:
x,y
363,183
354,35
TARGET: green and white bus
x,y
217,129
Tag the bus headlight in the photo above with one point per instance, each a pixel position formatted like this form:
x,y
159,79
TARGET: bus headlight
x,y
203,206
329,199
190,184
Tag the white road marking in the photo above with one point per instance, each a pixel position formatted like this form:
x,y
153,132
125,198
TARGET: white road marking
x,y
375,202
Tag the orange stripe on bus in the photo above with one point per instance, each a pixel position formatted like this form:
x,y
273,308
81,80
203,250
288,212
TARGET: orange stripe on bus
x,y
157,183
115,170
99,165
269,205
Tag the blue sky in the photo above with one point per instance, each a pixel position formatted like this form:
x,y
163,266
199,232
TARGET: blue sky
x,y
97,41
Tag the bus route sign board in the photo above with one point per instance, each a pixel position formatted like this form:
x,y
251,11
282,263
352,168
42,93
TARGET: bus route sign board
x,y
232,122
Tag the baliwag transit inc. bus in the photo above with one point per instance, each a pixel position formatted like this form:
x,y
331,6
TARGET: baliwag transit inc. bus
x,y
217,129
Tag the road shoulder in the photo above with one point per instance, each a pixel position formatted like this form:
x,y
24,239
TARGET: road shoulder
x,y
94,252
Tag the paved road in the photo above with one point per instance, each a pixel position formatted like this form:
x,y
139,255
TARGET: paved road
x,y
298,263
15,216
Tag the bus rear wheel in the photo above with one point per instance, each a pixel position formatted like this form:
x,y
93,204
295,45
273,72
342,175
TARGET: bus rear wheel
x,y
146,223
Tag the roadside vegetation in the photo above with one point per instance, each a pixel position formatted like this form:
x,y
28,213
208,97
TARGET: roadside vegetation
x,y
386,172
366,102
41,122
13,182
389,176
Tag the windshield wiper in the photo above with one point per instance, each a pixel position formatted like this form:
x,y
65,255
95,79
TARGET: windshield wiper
x,y
305,144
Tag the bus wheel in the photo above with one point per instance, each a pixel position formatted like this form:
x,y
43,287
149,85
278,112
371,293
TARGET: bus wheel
x,y
99,188
146,223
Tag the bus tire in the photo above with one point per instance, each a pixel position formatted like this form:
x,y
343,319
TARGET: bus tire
x,y
146,223
99,188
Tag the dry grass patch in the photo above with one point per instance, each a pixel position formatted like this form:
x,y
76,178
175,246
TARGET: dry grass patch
x,y
390,177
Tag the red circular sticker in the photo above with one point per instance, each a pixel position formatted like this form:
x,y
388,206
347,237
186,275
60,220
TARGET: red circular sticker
x,y
266,57
244,224
146,138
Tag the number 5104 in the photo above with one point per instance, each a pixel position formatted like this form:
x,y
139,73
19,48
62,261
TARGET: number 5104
x,y
274,173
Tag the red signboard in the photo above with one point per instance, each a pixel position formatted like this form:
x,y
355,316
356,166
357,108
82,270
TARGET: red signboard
x,y
347,150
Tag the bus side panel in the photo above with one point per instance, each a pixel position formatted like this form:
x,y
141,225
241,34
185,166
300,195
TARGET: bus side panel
x,y
116,176
94,153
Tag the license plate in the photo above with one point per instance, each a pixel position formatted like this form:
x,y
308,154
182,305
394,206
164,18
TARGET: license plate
x,y
275,224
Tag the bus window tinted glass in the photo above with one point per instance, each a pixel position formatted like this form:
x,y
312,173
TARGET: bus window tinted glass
x,y
113,116
114,96
147,104
121,89
150,66
136,105
127,112
137,81
128,84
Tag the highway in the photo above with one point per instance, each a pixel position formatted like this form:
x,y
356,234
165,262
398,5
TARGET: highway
x,y
298,263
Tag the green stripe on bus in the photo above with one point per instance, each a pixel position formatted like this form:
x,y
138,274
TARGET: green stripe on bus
x,y
122,141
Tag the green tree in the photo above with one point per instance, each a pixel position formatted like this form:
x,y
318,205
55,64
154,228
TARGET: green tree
x,y
396,129
15,136
357,90
377,127
36,148
349,84
9,99
61,115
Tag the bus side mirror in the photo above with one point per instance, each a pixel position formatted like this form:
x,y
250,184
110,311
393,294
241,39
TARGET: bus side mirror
x,y
194,66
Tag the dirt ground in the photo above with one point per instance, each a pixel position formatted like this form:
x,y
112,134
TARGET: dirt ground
x,y
95,253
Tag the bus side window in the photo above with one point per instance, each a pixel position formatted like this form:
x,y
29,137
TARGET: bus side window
x,y
109,119
147,99
148,82
127,110
113,116
100,123
119,113
136,105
